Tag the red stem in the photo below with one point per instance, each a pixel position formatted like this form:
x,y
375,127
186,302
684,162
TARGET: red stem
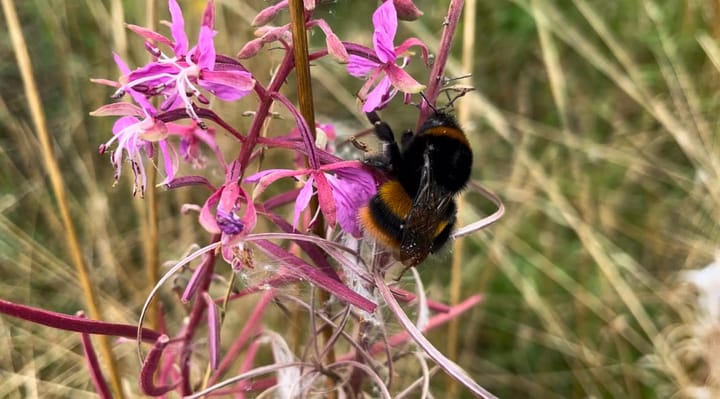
x,y
147,374
263,110
95,370
196,315
438,70
66,322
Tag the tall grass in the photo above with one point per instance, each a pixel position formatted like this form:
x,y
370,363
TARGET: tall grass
x,y
595,124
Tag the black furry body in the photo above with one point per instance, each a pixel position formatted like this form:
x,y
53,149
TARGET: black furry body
x,y
413,213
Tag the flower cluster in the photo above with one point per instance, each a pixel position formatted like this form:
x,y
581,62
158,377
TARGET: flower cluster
x,y
164,107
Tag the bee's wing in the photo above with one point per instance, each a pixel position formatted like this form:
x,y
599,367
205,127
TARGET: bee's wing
x,y
428,213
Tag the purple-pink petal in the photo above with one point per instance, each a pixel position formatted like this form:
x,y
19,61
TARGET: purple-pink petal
x,y
153,74
205,50
254,178
170,160
229,201
206,218
352,189
122,66
250,215
267,177
123,123
325,198
177,28
227,85
360,67
385,23
229,197
303,200
139,98
378,95
413,42
150,35
402,80
119,109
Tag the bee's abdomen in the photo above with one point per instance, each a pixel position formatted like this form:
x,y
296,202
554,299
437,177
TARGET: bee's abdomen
x,y
385,214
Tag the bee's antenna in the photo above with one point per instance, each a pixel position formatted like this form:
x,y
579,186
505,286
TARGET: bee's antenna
x,y
432,107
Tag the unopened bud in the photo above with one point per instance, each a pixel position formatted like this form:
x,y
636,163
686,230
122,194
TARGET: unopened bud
x,y
268,14
407,10
250,49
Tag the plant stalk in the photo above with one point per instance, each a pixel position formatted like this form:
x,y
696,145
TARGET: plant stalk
x,y
305,102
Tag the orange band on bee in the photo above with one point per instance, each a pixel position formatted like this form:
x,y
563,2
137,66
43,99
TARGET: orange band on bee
x,y
375,230
395,198
451,132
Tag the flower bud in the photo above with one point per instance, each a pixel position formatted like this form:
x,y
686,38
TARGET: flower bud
x,y
407,10
250,49
269,13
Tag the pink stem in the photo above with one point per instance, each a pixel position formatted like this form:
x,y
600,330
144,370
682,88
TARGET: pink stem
x,y
438,70
66,322
147,374
95,371
196,314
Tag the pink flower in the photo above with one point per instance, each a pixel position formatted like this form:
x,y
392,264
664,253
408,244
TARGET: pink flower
x,y
384,77
226,220
191,136
340,193
134,134
178,77
352,188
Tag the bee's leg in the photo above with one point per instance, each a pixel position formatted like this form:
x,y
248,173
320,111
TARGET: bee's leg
x,y
399,276
382,129
406,138
390,157
379,162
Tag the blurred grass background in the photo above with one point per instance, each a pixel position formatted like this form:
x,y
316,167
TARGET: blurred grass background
x,y
595,122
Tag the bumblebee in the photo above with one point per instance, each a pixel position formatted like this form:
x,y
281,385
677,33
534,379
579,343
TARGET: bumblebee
x,y
414,212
